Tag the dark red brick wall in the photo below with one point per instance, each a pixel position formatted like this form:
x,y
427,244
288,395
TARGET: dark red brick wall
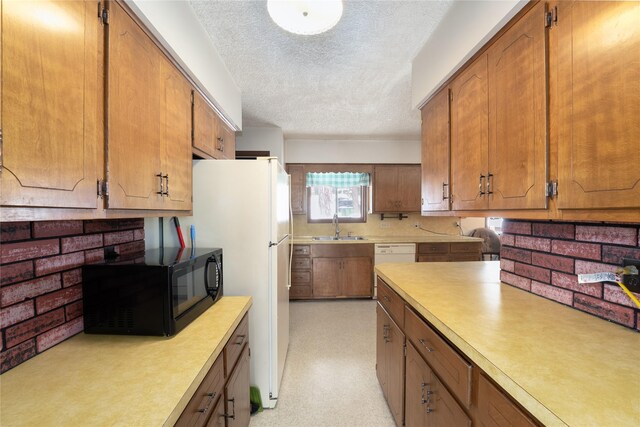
x,y
41,279
545,258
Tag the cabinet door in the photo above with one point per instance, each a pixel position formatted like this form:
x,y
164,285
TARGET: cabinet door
x,y
418,392
409,180
229,141
357,277
204,125
298,189
598,104
385,189
395,367
50,115
435,153
382,323
238,407
518,115
217,418
326,277
176,138
469,137
134,90
496,409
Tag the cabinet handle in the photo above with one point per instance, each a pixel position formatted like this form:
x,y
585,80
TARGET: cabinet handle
x,y
233,409
161,192
425,344
445,194
385,333
481,185
489,176
166,187
240,339
426,400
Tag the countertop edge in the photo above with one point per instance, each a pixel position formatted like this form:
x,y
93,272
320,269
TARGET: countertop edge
x,y
531,404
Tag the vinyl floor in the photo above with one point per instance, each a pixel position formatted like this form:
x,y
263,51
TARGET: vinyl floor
x,y
330,378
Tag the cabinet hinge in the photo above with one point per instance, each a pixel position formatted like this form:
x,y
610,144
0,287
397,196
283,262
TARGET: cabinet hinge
x,y
552,188
551,17
103,14
0,149
103,188
404,349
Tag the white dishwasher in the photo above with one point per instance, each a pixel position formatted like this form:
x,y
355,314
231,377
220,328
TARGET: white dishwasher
x,y
392,252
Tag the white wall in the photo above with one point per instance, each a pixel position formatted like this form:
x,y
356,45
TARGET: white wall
x,y
176,27
262,139
465,28
351,151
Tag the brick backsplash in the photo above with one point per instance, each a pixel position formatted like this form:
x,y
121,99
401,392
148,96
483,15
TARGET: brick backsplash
x,y
41,279
545,258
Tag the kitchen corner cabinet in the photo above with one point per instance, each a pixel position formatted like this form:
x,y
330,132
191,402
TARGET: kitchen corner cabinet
x,y
342,270
300,273
212,138
149,122
298,189
390,343
499,122
596,64
396,188
50,129
435,153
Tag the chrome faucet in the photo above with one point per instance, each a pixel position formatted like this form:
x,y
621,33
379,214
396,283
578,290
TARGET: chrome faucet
x,y
335,221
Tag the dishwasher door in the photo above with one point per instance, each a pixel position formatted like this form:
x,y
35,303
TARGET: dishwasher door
x,y
392,252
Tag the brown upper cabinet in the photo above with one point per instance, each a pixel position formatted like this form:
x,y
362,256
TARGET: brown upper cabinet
x,y
51,137
597,103
212,137
149,122
435,153
498,122
298,189
396,188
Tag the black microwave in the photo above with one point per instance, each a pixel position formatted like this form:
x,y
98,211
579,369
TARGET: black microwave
x,y
157,292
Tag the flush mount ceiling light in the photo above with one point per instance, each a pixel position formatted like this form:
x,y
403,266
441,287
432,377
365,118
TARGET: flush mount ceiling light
x,y
306,17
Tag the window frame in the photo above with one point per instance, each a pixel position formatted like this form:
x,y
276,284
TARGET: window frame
x,y
363,212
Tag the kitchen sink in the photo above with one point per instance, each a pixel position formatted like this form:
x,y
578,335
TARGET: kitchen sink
x,y
338,238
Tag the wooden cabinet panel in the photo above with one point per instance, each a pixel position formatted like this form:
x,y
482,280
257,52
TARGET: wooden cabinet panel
x,y
217,418
433,248
391,301
517,169
135,85
356,277
205,125
301,281
200,406
598,104
496,409
396,188
301,250
390,363
235,345
428,403
50,107
326,277
450,366
298,189
236,393
301,263
228,141
435,153
176,138
454,251
469,136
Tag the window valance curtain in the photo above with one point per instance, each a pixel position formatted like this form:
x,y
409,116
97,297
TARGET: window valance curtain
x,y
337,179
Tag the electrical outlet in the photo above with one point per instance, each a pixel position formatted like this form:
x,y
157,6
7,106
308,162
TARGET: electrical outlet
x,y
416,224
631,281
384,224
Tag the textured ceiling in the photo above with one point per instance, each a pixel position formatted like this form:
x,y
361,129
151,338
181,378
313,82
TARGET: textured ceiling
x,y
352,82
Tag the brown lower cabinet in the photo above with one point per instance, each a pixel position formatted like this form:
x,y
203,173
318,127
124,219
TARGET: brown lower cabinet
x,y
427,381
445,252
222,398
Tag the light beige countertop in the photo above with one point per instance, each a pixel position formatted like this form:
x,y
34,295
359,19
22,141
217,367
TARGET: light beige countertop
x,y
564,366
116,380
436,238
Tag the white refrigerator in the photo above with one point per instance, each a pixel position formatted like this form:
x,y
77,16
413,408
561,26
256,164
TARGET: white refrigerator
x,y
243,207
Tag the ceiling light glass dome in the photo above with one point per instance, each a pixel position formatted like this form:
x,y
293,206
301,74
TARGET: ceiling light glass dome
x,y
307,17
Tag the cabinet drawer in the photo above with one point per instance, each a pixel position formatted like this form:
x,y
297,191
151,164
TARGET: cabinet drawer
x,y
202,402
466,247
391,302
301,263
300,291
300,277
301,250
433,248
496,408
235,345
465,257
452,369
433,258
